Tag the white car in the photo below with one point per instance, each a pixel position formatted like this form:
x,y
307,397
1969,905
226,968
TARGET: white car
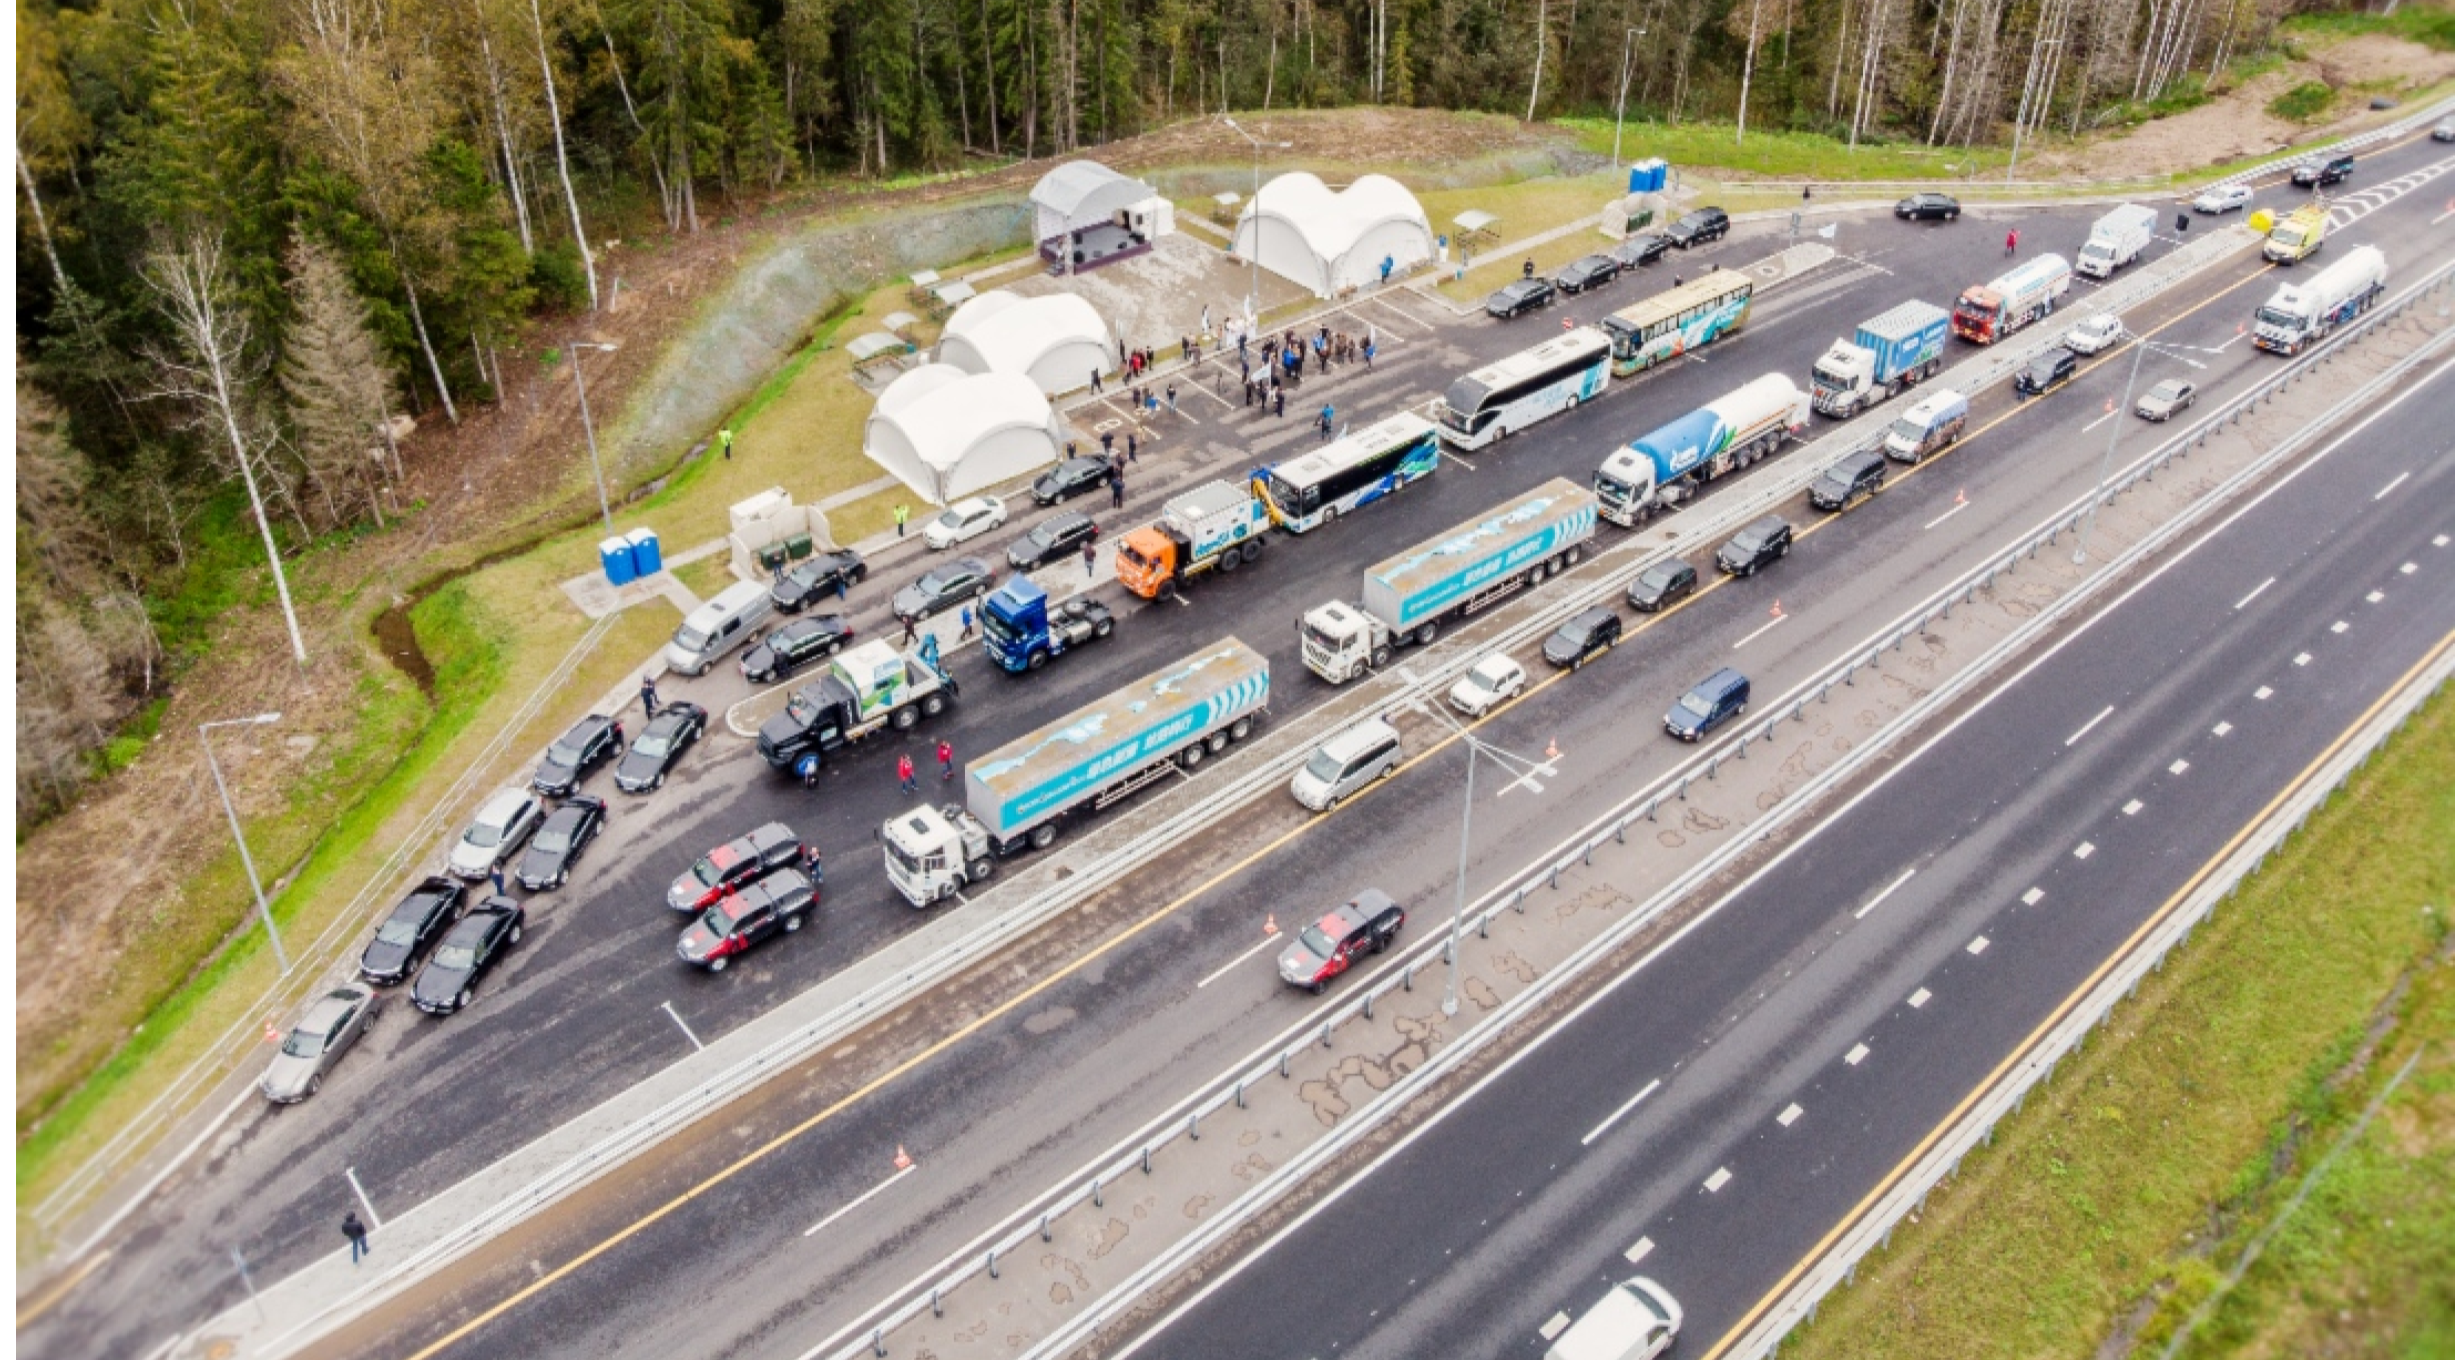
x,y
1637,1320
2094,334
1493,679
2444,132
2224,198
496,833
964,520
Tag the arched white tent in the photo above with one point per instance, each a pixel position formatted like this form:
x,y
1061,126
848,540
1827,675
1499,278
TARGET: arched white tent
x,y
1058,340
1326,241
947,433
1081,194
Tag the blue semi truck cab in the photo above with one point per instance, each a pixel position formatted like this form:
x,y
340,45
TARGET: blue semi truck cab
x,y
1021,630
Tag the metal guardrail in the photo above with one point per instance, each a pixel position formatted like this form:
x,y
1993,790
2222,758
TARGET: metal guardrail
x,y
1613,826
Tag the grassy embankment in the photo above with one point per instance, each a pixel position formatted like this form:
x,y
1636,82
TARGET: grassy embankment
x,y
2116,1201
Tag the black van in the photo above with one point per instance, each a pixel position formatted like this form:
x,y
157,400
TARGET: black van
x,y
1853,479
1717,698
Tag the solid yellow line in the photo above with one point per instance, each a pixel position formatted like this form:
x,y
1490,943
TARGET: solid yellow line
x,y
875,1084
51,1297
2055,1017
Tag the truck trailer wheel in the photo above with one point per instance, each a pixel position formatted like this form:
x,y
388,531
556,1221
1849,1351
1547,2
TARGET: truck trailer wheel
x,y
1240,729
1044,835
1576,554
1215,742
1190,757
1231,560
1251,551
1427,632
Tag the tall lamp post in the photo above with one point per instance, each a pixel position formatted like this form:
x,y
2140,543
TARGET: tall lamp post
x,y
1253,300
1628,46
263,909
1475,747
604,507
2105,463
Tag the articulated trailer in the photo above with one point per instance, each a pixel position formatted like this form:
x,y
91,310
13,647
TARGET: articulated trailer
x,y
1724,435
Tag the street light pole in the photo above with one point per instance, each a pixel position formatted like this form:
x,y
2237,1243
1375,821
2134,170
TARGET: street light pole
x,y
2105,461
604,507
263,909
1457,919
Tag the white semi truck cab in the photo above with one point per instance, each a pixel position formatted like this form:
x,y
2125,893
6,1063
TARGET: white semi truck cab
x,y
933,852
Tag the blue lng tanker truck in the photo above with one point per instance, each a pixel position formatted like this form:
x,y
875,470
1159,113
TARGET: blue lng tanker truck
x,y
1728,433
1478,563
1018,795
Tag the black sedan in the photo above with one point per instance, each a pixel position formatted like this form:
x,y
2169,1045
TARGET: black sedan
x,y
1755,547
660,744
1069,479
1641,249
1583,638
1052,540
1920,207
815,578
1661,585
591,742
449,980
1589,271
795,645
1516,299
557,844
942,588
413,925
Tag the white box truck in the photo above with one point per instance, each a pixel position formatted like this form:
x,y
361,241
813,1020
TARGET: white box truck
x,y
1477,564
2302,312
1017,796
1725,434
2116,240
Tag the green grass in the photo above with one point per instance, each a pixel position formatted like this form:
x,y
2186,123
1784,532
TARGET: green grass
x,y
2303,102
2429,26
705,577
2139,1170
1777,154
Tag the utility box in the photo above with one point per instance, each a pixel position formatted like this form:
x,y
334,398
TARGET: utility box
x,y
647,555
797,546
1649,176
615,553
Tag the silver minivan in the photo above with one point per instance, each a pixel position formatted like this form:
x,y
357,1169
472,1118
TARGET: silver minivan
x,y
1347,762
718,626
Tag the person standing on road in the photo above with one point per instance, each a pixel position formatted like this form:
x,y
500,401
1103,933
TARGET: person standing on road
x,y
1172,399
903,773
966,617
1108,444
1091,561
946,761
647,694
1095,380
496,875
1279,396
1324,423
356,1232
1116,490
1388,263
1529,269
1133,446
912,630
2011,240
1370,349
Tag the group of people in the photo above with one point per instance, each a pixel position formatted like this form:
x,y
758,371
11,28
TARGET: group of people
x,y
1284,356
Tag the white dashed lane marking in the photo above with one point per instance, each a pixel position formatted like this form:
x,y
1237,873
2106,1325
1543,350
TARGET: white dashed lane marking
x,y
2083,850
2032,897
1978,945
1856,1055
1643,1249
2178,767
2262,692
2302,659
2221,728
1789,1116
1919,998
2132,808
1557,1325
1719,1178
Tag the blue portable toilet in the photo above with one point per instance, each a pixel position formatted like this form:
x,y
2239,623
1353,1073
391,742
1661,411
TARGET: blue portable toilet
x,y
1649,176
647,556
615,553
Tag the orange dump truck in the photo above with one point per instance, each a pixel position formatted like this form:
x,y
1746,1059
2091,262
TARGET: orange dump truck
x,y
1214,527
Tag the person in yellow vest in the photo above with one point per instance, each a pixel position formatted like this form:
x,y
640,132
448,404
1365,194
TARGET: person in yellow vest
x,y
724,441
902,513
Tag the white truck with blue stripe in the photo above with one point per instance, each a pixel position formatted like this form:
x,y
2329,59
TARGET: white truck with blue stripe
x,y
1408,598
1018,796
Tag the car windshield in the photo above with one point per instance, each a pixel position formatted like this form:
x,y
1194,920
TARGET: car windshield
x,y
1576,631
398,930
484,835
565,753
1324,767
720,922
1313,939
2165,391
705,873
689,639
1658,578
935,583
302,1043
952,519
1695,702
456,956
552,840
1493,673
652,743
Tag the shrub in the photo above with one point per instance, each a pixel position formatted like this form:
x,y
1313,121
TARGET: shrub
x,y
2303,102
561,283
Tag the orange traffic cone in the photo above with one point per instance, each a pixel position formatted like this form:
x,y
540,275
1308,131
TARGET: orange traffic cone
x,y
1961,497
1777,608
1552,751
903,1159
1270,923
272,1035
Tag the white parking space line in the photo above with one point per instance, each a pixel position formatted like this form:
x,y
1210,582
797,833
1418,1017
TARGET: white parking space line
x,y
2032,897
1861,913
2074,738
2407,569
2132,808
2255,592
2220,729
2262,692
1919,998
859,1200
1760,632
1719,1178
2178,767
2302,660
1616,1115
1978,945
2084,849
1230,966
2400,479
1856,1055
1789,1116
2338,626
2375,596
1643,1249
1551,1329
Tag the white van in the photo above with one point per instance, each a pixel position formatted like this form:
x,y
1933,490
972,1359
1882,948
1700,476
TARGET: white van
x,y
1347,762
1934,423
718,626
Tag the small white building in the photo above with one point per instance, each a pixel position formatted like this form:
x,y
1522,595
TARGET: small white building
x,y
1086,215
1327,242
1057,340
947,433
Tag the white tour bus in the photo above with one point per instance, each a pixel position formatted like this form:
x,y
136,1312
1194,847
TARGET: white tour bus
x,y
1353,470
1503,398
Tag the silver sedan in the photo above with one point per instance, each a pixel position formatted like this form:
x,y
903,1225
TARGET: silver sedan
x,y
317,1041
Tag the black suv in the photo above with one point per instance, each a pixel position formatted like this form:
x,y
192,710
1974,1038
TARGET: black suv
x,y
2318,174
1696,228
1583,638
1518,298
1856,477
1052,540
795,645
1590,271
591,742
2046,372
413,925
1755,547
813,579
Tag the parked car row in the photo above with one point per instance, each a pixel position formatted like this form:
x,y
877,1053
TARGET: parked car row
x,y
1587,272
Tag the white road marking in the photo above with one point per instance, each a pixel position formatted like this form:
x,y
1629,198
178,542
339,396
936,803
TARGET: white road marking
x,y
1760,632
1457,460
2098,421
1789,1116
1957,507
2032,897
2375,596
1230,966
2074,738
2439,542
2302,660
861,1199
2262,692
2084,849
1614,1117
1719,1178
2254,592
2400,479
1978,945
2220,729
667,1007
2132,808
1643,1249
2408,569
1551,1330
1855,1056
1919,998
2338,626
2178,767
1861,913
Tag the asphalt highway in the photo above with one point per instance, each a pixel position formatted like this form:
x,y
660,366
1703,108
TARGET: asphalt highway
x,y
1839,1004
583,1007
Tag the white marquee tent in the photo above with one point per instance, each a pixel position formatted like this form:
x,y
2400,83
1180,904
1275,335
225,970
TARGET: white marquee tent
x,y
1058,340
1327,242
948,434
1081,194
